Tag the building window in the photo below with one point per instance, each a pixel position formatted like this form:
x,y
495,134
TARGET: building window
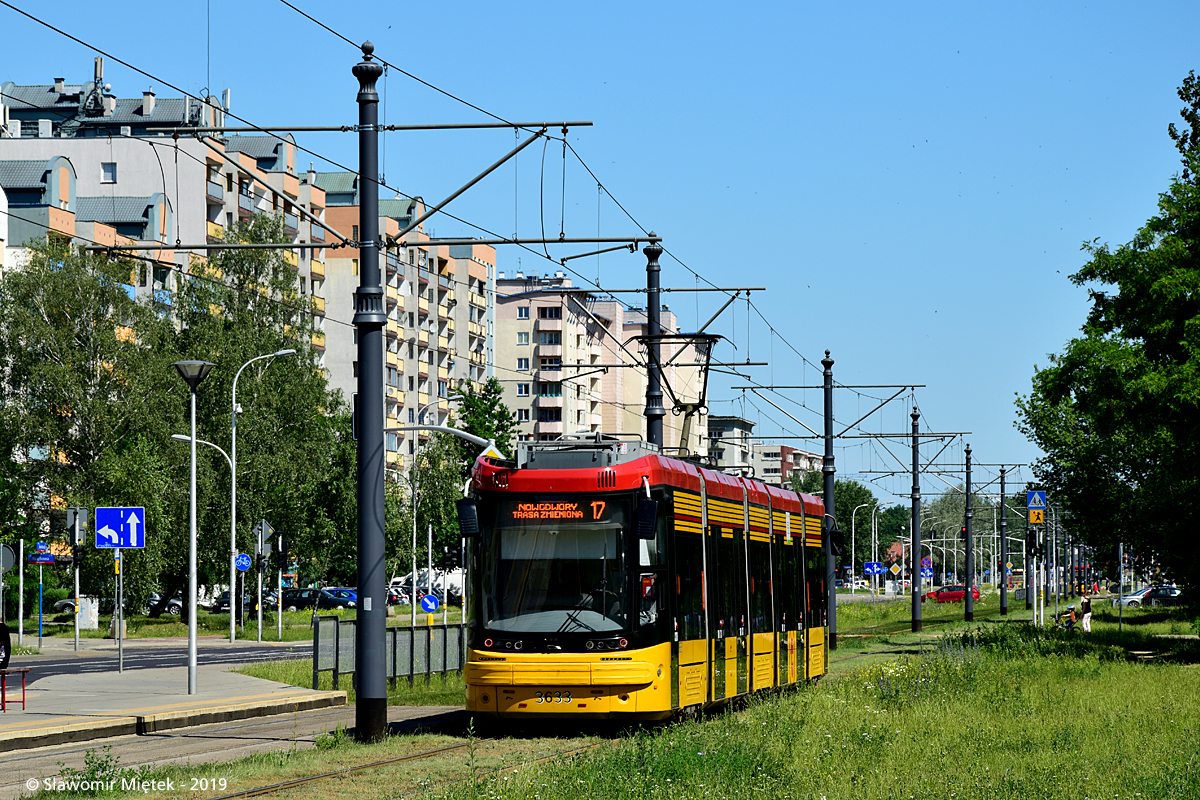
x,y
550,312
108,172
411,413
393,442
523,337
549,389
551,364
550,337
354,232
410,383
442,388
522,415
522,365
522,312
549,415
355,369
522,390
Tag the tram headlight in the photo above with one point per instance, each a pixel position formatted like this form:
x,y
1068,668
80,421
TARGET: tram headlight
x,y
590,645
623,643
518,645
487,642
508,645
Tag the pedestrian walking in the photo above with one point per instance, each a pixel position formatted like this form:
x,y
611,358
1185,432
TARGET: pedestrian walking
x,y
1085,606
5,645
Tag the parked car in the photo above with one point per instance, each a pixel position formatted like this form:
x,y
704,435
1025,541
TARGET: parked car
x,y
1133,598
1153,596
221,604
952,594
174,606
344,594
296,599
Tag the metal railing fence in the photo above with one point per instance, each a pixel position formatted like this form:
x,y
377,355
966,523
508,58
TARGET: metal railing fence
x,y
426,650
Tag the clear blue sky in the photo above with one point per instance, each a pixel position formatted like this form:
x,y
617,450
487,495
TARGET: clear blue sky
x,y
912,182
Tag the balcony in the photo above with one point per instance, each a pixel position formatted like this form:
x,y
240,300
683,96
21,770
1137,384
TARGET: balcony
x,y
443,373
292,259
423,305
393,358
443,311
479,359
548,402
291,225
596,419
444,281
423,338
549,351
318,340
318,305
475,329
316,270
595,350
450,296
450,326
214,192
423,275
318,233
540,324
443,343
391,263
162,297
548,427
393,295
246,205
215,231
423,398
477,300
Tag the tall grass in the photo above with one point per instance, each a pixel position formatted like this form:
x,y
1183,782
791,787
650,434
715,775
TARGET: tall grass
x,y
1000,712
445,689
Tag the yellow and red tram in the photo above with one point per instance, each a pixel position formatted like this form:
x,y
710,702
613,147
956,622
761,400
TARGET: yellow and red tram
x,y
609,581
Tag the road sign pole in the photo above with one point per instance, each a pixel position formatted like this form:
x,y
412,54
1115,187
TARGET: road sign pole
x,y
40,585
1003,512
21,593
916,520
120,613
279,593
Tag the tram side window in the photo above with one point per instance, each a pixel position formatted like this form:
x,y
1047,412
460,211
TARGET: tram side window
x,y
689,586
786,607
731,582
760,587
651,561
815,579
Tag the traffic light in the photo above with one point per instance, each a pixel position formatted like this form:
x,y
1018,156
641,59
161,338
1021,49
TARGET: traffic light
x,y
76,522
281,557
962,534
1031,542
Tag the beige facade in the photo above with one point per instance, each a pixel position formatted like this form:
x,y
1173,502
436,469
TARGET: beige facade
x,y
438,303
568,363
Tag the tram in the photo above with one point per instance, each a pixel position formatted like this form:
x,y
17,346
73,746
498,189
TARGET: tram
x,y
611,582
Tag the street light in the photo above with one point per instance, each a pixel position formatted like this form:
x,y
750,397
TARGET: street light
x,y
852,515
412,481
192,373
875,530
233,501
179,437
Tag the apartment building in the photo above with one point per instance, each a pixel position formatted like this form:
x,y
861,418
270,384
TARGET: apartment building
x,y
438,300
569,363
735,448
109,161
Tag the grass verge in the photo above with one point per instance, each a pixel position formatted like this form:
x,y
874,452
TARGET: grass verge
x,y
440,690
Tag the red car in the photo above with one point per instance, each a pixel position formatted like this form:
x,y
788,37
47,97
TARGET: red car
x,y
952,594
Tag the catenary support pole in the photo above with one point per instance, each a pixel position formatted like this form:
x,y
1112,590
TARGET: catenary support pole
x,y
654,396
191,599
370,711
916,521
968,596
279,590
1003,566
830,520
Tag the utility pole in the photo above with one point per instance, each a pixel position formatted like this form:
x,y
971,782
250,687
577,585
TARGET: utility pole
x,y
654,396
916,520
968,597
830,519
1003,568
370,712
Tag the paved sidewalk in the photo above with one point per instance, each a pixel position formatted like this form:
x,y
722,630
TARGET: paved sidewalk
x,y
78,707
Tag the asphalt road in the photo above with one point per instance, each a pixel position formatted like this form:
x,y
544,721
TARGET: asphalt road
x,y
157,655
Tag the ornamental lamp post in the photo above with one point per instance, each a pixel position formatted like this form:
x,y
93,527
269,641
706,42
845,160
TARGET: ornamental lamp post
x,y
192,372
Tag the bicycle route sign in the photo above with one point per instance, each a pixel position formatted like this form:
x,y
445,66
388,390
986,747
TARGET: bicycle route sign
x,y
242,562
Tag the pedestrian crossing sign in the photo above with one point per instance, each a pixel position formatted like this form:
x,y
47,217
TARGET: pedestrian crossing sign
x,y
1035,500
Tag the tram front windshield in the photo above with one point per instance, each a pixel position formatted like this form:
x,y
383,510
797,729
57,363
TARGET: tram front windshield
x,y
556,567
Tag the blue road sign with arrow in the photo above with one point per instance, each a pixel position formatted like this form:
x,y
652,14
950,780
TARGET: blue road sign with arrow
x,y
873,568
926,572
430,603
121,527
243,561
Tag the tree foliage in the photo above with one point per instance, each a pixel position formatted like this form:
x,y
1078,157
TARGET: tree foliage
x,y
852,528
1118,411
482,412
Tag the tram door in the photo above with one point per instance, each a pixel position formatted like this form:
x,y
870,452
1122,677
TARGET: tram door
x,y
730,634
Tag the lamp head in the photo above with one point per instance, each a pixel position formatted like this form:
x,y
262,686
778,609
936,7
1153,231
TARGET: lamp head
x,y
193,372
288,352
179,437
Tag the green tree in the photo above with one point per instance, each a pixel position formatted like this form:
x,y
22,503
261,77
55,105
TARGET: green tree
x,y
1117,413
482,412
88,397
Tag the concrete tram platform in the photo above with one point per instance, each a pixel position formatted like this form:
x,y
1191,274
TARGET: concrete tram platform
x,y
83,707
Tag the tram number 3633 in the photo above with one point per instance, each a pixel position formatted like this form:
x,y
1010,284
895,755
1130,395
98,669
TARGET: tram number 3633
x,y
553,697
